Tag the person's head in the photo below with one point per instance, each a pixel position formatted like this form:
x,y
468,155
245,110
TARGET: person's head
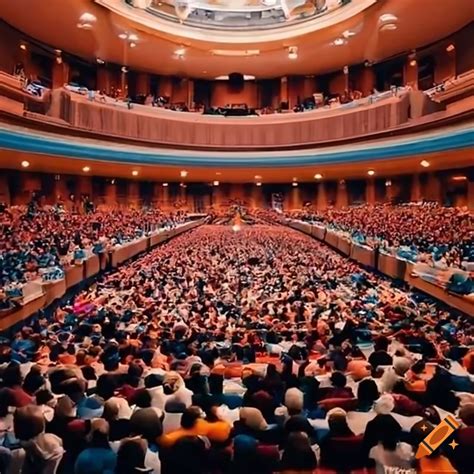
x,y
188,455
147,422
466,414
388,432
337,421
116,408
367,392
12,375
131,456
6,401
98,435
253,418
381,344
190,416
298,455
401,365
384,404
299,423
338,379
294,400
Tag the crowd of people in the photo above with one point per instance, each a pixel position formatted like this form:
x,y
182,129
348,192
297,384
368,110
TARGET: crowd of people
x,y
445,234
232,349
37,237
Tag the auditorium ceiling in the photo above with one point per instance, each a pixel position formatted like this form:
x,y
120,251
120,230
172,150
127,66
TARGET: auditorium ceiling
x,y
206,53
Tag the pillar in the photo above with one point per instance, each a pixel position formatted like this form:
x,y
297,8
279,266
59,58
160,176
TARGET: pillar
x,y
370,191
123,84
183,195
60,190
166,86
321,197
366,80
256,197
110,197
389,190
470,191
284,96
342,199
433,188
133,194
217,196
415,195
84,187
60,74
411,74
190,97
143,84
295,198
103,79
5,197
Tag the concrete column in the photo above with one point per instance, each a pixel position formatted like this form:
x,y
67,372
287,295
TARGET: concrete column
x,y
342,200
370,191
60,74
366,80
321,196
190,98
390,190
60,190
256,197
84,187
124,84
295,198
5,196
217,196
143,83
416,194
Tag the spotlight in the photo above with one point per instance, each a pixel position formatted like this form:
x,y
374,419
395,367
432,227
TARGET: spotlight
x,y
318,176
86,169
23,46
371,172
413,63
25,164
134,173
450,47
100,61
258,183
183,173
425,163
295,184
215,183
123,36
165,185
388,183
133,45
339,41
124,69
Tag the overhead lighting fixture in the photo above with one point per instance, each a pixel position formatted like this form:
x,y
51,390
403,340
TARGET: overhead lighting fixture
x,y
258,183
339,42
183,185
25,164
183,173
388,27
293,52
425,163
112,181
100,61
86,169
371,172
295,184
257,176
134,173
180,52
225,77
348,34
132,44
165,185
124,69
215,183
413,63
235,52
123,36
388,183
23,46
86,21
459,178
295,179
387,17
218,173
318,176
132,37
450,47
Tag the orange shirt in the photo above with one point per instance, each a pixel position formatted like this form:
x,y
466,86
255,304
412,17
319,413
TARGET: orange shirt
x,y
218,431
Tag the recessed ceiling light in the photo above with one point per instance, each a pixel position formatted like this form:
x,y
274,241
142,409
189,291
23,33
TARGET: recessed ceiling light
x,y
459,178
295,179
133,37
23,46
135,173
413,63
218,173
124,69
133,45
339,42
450,47
183,185
215,183
387,17
257,176
371,172
388,27
25,164
123,36
348,34
258,183
183,173
165,185
100,61
425,163
318,176
88,17
112,181
295,184
388,183
180,52
86,169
